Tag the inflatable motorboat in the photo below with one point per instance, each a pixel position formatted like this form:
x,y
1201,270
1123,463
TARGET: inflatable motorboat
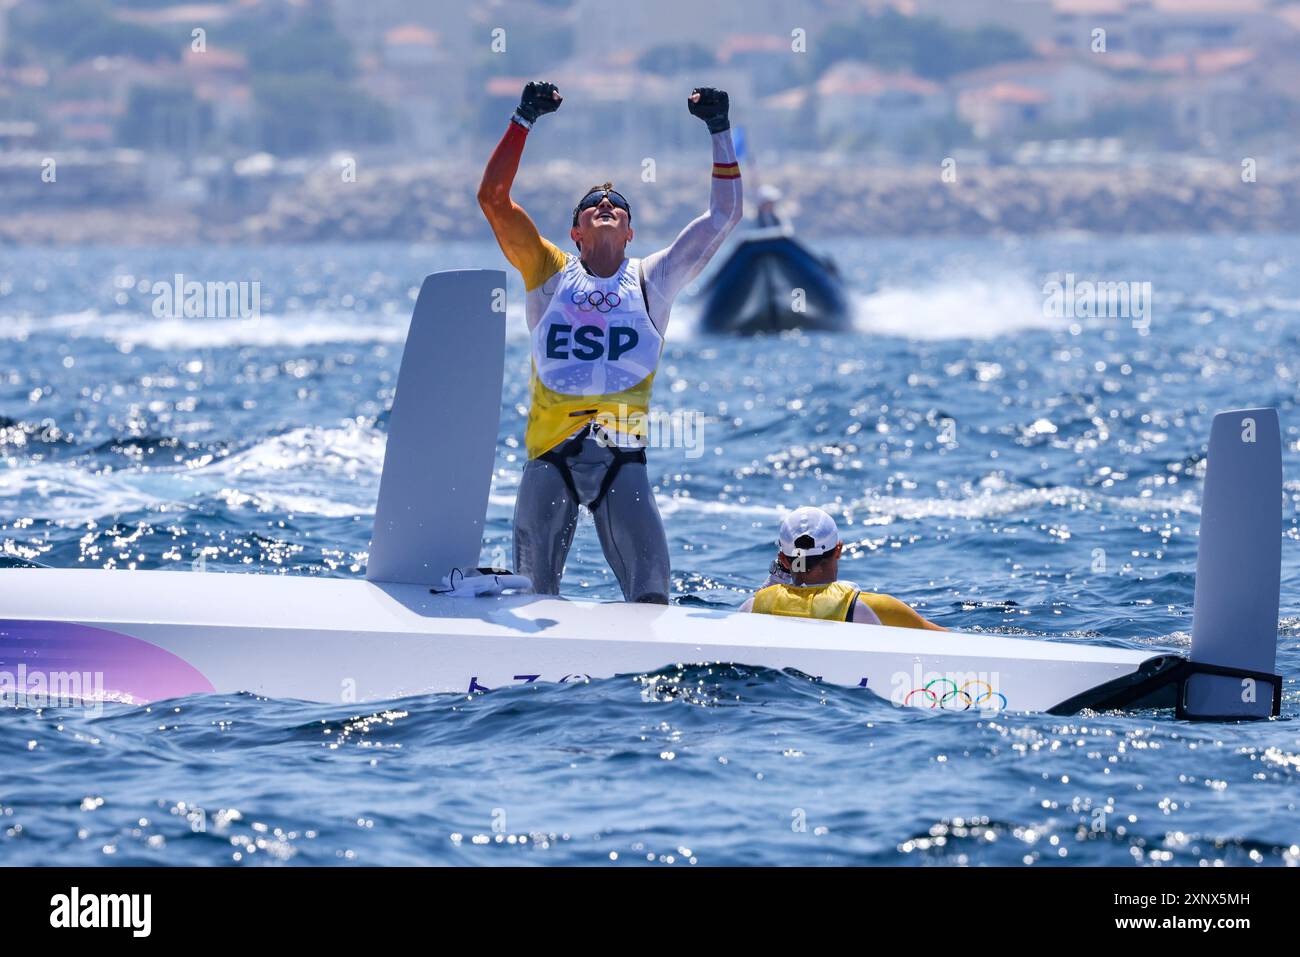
x,y
772,282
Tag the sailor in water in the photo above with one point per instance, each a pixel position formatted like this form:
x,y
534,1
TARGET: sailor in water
x,y
805,580
598,321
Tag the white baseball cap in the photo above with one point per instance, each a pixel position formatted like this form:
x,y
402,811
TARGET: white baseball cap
x,y
808,531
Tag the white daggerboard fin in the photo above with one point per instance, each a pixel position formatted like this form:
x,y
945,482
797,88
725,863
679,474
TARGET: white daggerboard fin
x,y
442,431
1238,566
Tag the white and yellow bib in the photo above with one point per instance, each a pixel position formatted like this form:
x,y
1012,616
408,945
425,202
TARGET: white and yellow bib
x,y
594,351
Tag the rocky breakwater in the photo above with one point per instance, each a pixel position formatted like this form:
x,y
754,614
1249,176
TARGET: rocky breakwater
x,y
436,202
431,203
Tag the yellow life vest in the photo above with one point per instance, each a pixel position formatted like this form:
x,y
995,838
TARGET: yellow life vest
x,y
830,602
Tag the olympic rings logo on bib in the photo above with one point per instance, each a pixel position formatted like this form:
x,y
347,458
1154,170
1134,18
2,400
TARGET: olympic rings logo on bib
x,y
600,301
958,698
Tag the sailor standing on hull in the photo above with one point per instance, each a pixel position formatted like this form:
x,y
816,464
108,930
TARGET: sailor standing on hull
x,y
598,321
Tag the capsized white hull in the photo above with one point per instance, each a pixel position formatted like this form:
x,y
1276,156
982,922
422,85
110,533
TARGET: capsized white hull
x,y
151,635
158,634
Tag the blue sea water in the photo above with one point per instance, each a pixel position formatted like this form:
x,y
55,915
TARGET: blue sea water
x,y
1004,470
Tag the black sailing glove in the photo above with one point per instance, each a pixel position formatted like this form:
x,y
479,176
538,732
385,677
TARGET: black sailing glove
x,y
711,107
538,98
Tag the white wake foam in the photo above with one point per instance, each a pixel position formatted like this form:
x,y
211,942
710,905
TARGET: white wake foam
x,y
958,309
281,474
334,472
131,330
308,330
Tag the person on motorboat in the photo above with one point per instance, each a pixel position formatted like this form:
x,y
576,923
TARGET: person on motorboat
x,y
597,320
769,217
805,580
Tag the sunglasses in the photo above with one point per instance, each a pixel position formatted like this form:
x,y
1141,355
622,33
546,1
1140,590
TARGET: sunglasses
x,y
593,199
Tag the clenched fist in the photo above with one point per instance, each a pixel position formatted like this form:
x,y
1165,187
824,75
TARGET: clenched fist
x,y
711,106
538,98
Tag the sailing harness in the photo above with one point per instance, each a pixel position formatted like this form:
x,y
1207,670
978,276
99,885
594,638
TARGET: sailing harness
x,y
560,455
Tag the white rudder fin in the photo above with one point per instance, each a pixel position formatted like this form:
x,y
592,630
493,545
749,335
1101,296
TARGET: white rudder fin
x,y
442,431
1238,572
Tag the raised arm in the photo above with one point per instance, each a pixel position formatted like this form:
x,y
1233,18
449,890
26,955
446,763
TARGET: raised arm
x,y
516,234
667,271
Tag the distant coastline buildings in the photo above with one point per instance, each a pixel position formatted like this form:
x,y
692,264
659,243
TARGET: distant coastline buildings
x,y
279,91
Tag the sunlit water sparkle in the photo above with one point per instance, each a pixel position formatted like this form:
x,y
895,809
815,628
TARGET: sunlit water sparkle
x,y
1002,470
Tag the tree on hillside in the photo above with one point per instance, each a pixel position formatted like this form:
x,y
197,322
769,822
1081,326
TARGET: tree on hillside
x,y
923,45
69,31
301,79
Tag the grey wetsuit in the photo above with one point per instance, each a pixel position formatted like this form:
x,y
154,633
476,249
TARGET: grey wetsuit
x,y
622,504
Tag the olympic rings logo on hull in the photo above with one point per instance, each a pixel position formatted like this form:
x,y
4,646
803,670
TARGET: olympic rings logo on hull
x,y
600,301
956,698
